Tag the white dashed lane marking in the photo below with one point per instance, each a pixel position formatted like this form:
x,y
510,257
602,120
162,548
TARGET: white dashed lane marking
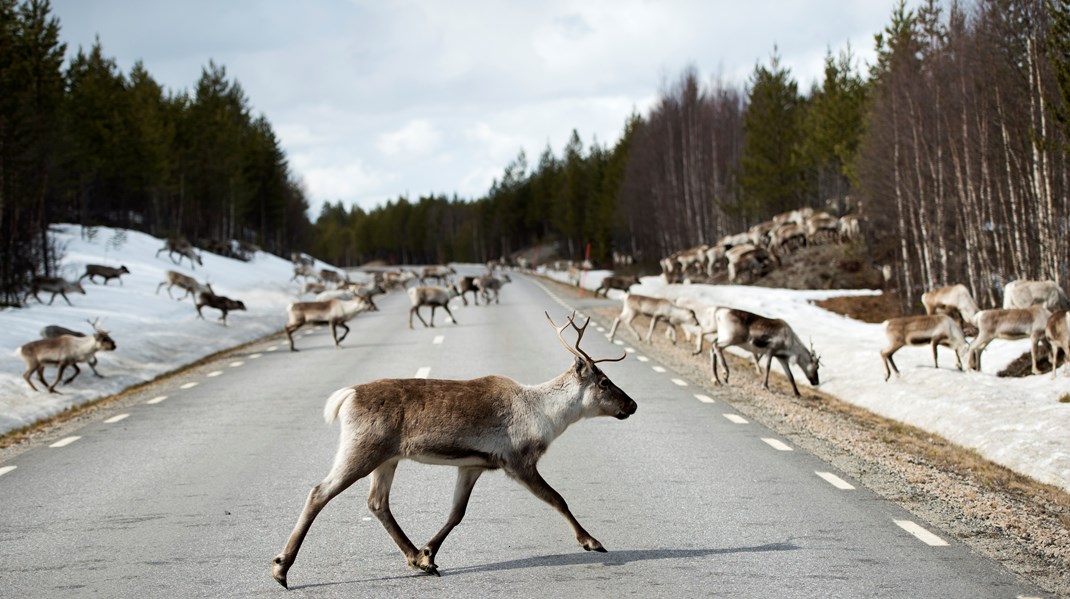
x,y
117,418
923,535
273,348
255,356
704,398
423,372
438,339
5,469
189,385
835,481
214,373
629,349
679,382
236,364
777,444
65,442
156,400
642,358
735,418
658,369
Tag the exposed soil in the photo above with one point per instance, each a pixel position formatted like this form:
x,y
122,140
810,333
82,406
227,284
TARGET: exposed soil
x,y
1010,518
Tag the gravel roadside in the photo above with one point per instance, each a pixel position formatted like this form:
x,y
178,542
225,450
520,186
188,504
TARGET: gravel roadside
x,y
1023,524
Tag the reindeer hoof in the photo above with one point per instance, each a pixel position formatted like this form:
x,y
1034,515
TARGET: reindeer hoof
x,y
593,545
278,571
424,561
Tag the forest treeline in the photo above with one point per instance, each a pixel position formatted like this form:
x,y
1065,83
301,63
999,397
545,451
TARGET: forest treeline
x,y
952,146
82,142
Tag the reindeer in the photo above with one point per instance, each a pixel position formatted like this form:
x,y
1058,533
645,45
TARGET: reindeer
x,y
1014,323
616,282
789,237
219,302
327,275
1022,294
822,228
367,293
489,284
465,286
313,287
63,351
335,312
932,329
303,271
106,272
184,282
438,272
476,425
54,330
55,286
759,334
657,309
1057,330
174,245
850,228
436,297
943,299
748,258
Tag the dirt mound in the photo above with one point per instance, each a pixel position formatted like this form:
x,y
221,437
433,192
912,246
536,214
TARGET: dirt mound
x,y
833,266
867,308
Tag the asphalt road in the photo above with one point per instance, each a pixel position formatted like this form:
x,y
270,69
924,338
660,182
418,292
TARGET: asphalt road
x,y
192,495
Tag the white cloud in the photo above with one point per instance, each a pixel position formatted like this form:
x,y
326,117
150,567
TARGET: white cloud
x,y
417,137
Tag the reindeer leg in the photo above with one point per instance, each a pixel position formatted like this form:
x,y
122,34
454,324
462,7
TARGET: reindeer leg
x,y
290,334
28,376
433,314
787,370
59,375
447,308
343,337
628,323
352,463
650,330
886,357
77,371
529,476
93,366
768,369
462,492
934,343
379,504
613,329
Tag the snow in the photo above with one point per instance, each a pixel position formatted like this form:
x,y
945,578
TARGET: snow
x,y
1018,423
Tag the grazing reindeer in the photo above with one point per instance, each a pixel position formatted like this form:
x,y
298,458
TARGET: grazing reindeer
x,y
55,286
436,297
222,303
657,309
476,425
185,282
183,248
335,312
759,334
1014,323
932,329
107,272
940,300
490,284
616,282
52,331
62,351
1022,294
748,258
1057,330
707,326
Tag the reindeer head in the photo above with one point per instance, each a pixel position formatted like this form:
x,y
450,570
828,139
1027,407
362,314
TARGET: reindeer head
x,y
811,368
601,396
104,340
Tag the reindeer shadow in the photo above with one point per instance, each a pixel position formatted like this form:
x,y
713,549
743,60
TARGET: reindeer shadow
x,y
611,559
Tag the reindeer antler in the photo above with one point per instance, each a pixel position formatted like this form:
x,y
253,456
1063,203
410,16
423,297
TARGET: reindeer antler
x,y
813,352
579,353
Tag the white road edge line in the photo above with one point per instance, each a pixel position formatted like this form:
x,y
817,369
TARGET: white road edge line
x,y
923,535
835,481
735,418
65,442
704,398
777,444
115,419
5,469
438,340
156,400
422,372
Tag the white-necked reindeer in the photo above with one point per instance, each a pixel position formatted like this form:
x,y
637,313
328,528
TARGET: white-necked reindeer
x,y
335,312
476,425
758,334
1057,331
942,299
657,308
184,282
62,351
1015,323
931,329
436,297
184,249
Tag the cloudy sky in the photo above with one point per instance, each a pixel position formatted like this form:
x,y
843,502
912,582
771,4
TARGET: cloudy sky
x,y
373,100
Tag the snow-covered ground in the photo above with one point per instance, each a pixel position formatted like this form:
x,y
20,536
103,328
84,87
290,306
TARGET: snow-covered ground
x,y
1016,422
154,334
